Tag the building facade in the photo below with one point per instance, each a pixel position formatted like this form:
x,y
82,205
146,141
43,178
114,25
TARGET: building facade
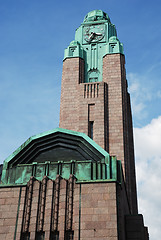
x,y
78,181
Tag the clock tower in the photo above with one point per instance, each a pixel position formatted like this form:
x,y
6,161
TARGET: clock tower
x,y
94,94
97,36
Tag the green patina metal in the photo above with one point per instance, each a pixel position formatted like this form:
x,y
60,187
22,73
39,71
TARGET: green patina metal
x,y
84,171
82,136
95,38
91,162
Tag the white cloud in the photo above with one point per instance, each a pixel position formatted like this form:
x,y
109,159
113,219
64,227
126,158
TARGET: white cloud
x,y
145,94
140,95
134,86
148,168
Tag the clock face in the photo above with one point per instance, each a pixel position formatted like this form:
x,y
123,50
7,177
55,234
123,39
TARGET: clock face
x,y
94,33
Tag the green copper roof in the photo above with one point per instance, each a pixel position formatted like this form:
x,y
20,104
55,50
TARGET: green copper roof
x,y
81,136
95,38
62,152
57,145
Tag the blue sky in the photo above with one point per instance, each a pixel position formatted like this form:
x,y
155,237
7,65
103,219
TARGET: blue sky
x,y
33,37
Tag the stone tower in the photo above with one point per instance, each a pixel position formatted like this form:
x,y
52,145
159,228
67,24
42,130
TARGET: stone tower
x,y
94,95
77,182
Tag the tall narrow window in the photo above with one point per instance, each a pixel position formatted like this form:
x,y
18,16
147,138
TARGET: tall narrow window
x,y
91,123
69,235
54,235
40,236
25,236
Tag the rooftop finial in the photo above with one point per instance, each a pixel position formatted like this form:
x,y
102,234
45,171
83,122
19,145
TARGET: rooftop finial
x,y
96,15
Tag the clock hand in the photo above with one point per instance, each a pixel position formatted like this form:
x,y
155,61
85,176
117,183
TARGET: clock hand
x,y
99,34
91,36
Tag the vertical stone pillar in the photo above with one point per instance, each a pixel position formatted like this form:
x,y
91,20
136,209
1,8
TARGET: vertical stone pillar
x,y
27,208
120,136
55,208
112,76
34,209
42,203
20,213
76,209
48,209
62,209
71,77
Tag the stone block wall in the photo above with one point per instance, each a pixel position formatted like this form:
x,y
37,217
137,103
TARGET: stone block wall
x,y
98,211
11,212
61,208
69,107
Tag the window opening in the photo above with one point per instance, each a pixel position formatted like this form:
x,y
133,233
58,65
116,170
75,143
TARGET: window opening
x,y
40,235
91,123
54,235
69,235
25,236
